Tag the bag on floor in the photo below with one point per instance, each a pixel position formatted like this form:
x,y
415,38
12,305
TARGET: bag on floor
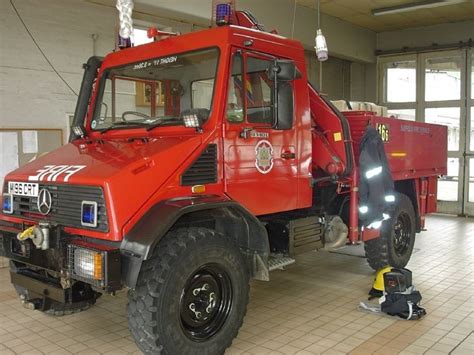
x,y
400,296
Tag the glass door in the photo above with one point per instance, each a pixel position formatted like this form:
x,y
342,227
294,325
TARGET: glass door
x,y
469,152
437,87
442,98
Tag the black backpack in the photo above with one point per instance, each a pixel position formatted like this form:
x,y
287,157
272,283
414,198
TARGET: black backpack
x,y
400,296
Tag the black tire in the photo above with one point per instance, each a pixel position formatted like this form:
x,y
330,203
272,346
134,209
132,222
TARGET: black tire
x,y
57,309
64,309
397,238
159,311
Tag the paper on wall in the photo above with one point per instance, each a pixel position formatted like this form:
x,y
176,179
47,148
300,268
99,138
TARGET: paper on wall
x,y
8,153
30,141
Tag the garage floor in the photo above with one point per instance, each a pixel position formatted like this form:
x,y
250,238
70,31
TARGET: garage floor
x,y
310,308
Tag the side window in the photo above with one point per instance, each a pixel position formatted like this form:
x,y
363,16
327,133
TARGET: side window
x,y
235,104
258,91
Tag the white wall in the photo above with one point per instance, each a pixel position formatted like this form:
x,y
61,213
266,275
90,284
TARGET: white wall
x,y
345,40
448,33
31,94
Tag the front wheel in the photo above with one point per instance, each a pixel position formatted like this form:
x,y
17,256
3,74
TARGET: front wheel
x,y
397,238
191,296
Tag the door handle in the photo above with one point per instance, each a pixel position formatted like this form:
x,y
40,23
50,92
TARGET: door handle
x,y
288,155
245,133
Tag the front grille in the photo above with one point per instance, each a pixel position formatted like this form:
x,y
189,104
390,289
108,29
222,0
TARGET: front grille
x,y
203,170
66,206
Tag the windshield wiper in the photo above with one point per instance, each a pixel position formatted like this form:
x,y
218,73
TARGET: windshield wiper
x,y
162,122
124,124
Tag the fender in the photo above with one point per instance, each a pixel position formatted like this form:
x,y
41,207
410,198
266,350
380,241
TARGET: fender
x,y
229,216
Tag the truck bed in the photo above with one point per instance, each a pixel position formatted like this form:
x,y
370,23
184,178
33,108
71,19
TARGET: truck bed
x,y
414,149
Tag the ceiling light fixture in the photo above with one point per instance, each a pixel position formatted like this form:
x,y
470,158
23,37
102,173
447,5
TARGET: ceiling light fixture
x,y
427,4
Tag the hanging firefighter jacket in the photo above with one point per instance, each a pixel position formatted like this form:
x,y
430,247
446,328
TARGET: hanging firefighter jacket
x,y
376,188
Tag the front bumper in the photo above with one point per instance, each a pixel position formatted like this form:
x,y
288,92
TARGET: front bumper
x,y
56,266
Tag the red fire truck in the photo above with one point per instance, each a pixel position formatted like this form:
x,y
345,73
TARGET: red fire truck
x,y
196,163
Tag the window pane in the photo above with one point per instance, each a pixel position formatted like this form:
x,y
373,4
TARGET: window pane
x,y
472,129
156,91
443,79
403,114
235,105
446,116
471,180
448,185
401,81
472,76
258,91
202,93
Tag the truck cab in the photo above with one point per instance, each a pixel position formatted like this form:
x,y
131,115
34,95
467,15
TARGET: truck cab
x,y
195,163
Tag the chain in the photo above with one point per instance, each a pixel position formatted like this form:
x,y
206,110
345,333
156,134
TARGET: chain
x,y
125,8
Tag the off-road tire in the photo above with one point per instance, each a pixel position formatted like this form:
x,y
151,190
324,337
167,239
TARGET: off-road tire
x,y
155,306
381,252
58,309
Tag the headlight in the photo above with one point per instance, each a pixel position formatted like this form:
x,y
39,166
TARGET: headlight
x,y
86,263
97,265
89,213
7,203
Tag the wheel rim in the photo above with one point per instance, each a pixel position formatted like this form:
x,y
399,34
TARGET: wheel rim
x,y
206,301
402,231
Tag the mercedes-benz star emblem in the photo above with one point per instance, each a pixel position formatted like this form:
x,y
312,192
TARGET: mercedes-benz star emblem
x,y
45,201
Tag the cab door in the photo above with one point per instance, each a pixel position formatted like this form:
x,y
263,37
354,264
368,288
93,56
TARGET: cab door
x,y
260,162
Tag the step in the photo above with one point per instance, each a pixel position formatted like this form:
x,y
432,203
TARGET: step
x,y
278,262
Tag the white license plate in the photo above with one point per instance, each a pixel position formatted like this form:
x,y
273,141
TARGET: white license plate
x,y
23,188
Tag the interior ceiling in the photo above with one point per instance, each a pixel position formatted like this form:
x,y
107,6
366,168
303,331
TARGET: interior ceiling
x,y
359,12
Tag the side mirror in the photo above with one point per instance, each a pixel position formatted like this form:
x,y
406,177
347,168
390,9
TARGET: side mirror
x,y
284,107
282,72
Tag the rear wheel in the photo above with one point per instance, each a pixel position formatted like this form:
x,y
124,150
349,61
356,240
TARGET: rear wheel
x,y
192,295
397,238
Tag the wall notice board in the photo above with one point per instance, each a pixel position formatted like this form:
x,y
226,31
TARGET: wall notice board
x,y
19,146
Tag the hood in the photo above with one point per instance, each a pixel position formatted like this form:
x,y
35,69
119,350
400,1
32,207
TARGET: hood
x,y
130,170
98,162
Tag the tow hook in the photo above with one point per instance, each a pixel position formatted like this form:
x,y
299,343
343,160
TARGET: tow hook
x,y
39,235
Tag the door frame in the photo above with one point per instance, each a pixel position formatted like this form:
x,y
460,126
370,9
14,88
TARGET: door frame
x,y
468,206
451,207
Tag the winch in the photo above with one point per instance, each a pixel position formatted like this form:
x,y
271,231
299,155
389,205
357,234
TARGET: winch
x,y
39,235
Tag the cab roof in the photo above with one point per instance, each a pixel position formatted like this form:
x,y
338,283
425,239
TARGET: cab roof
x,y
213,37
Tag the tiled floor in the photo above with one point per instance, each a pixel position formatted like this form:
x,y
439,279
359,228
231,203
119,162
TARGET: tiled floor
x,y
310,308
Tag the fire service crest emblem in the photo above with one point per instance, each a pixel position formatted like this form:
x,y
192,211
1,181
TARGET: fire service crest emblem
x,y
264,156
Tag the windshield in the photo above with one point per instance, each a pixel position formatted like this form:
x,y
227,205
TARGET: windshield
x,y
156,91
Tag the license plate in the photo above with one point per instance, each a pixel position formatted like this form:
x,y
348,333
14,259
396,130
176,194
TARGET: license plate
x,y
23,188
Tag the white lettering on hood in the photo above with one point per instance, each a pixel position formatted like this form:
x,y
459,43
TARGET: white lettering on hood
x,y
53,172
